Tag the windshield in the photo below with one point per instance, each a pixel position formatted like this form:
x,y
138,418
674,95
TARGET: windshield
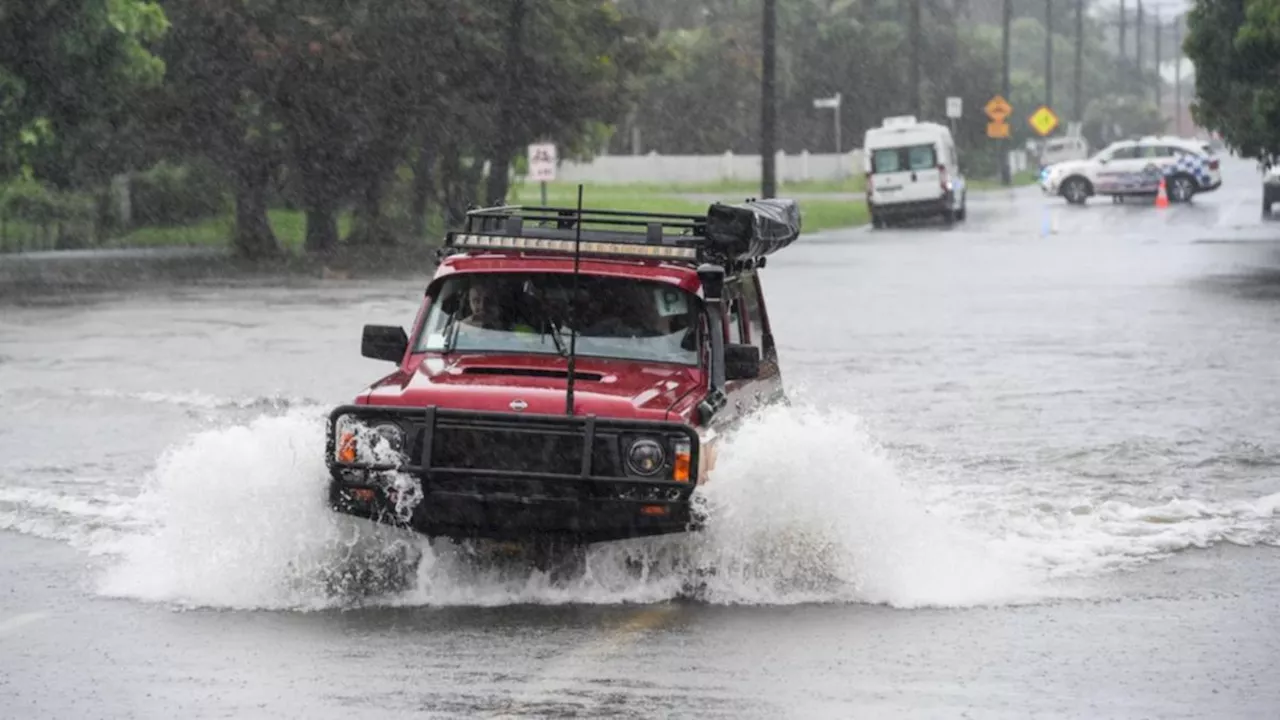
x,y
534,313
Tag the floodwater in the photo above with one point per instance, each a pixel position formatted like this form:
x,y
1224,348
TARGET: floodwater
x,y
1031,469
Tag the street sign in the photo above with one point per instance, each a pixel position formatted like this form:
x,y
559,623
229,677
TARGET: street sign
x,y
954,106
831,102
997,108
998,129
1043,120
542,162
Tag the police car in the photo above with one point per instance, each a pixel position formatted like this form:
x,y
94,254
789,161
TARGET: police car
x,y
1136,167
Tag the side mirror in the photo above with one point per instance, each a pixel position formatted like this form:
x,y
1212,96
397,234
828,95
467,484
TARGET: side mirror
x,y
384,342
741,362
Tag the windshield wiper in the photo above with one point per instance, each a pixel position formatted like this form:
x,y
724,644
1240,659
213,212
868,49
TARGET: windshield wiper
x,y
555,337
450,335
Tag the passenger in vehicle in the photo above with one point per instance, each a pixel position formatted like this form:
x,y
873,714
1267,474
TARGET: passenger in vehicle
x,y
621,311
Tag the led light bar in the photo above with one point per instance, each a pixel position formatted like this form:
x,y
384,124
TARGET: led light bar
x,y
589,247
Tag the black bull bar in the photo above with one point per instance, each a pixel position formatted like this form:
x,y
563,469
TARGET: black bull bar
x,y
512,476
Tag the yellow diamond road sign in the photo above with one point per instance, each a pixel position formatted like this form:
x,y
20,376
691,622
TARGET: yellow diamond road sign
x,y
997,108
1043,120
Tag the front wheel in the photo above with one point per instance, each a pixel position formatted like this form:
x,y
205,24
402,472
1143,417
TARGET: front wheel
x,y
962,213
1076,190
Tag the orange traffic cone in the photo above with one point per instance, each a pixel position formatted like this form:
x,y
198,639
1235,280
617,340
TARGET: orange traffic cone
x,y
1162,197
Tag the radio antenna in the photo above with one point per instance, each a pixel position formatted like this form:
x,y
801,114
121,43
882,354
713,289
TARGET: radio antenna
x,y
573,307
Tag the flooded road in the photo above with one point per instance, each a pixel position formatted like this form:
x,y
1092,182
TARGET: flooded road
x,y
1031,469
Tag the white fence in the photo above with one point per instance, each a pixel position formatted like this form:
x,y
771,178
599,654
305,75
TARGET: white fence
x,y
655,168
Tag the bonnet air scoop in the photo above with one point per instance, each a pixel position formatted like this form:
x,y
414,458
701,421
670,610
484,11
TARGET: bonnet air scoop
x,y
533,372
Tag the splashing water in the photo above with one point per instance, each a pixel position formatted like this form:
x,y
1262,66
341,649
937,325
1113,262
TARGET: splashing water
x,y
803,507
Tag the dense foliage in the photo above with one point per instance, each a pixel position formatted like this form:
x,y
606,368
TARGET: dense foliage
x,y
1236,47
405,110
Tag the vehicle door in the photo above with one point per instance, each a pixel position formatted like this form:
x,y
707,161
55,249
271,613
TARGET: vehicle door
x,y
903,174
748,324
1119,170
1157,162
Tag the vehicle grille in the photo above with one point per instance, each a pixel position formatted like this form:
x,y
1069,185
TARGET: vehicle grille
x,y
521,451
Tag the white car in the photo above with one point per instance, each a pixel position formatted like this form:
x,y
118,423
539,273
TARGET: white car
x,y
1063,149
1136,167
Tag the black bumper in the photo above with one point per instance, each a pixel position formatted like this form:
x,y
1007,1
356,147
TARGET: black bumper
x,y
479,478
920,208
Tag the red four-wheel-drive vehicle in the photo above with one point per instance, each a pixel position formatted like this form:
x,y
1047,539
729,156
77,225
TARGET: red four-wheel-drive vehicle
x,y
567,376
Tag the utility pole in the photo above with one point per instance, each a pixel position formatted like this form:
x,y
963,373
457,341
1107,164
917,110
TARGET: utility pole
x,y
1079,78
1159,76
915,57
1177,73
1124,23
768,111
1005,178
1048,54
1137,36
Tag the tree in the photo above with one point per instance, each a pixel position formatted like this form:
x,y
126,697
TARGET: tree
x,y
1235,45
217,102
68,73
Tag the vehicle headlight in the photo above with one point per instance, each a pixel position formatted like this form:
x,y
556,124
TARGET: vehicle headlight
x,y
358,443
646,457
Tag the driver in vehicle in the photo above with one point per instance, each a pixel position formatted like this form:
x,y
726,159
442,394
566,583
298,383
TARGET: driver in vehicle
x,y
484,307
491,309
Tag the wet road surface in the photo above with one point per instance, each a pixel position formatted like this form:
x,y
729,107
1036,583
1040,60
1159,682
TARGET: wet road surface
x,y
1031,469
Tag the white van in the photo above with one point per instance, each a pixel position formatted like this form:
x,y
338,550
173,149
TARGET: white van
x,y
912,171
1062,149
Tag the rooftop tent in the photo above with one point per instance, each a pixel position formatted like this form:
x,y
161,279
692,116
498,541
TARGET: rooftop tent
x,y
755,228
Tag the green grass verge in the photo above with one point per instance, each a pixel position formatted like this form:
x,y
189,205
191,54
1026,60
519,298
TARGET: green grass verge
x,y
816,213
1026,177
290,225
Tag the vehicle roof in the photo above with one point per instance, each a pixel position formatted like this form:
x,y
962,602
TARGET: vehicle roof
x,y
1174,140
917,129
682,276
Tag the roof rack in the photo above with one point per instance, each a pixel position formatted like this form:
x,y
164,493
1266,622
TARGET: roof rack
x,y
735,236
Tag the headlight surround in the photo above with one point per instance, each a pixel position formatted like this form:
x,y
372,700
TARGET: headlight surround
x,y
646,457
392,433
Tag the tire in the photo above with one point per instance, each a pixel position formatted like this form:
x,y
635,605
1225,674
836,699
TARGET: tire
x,y
963,212
1076,190
1266,207
1180,188
877,222
948,216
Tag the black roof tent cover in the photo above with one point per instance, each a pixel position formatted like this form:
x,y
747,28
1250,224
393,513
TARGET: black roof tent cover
x,y
755,228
